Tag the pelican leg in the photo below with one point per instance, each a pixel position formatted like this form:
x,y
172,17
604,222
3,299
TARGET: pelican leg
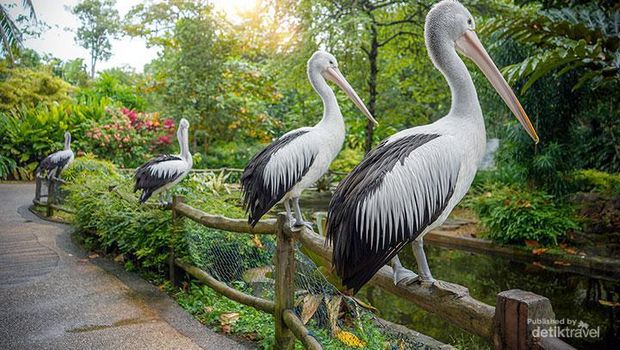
x,y
420,257
401,274
289,216
299,220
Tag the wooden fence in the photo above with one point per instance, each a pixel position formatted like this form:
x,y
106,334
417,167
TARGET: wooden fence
x,y
508,324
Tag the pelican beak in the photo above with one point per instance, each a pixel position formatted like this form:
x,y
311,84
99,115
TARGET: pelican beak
x,y
333,74
470,46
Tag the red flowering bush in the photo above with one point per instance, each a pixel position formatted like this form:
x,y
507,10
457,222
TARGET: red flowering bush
x,y
128,138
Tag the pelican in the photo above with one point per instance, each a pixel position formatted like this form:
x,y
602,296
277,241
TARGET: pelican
x,y
300,157
164,171
410,182
58,161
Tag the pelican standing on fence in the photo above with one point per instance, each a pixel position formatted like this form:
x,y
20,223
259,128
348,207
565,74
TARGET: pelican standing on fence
x,y
411,181
56,162
162,172
300,157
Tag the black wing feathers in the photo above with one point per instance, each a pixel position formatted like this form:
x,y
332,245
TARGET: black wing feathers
x,y
148,182
48,164
258,198
355,260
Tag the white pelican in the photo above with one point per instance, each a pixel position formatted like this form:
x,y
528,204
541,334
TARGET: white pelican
x,y
411,181
58,161
164,171
300,157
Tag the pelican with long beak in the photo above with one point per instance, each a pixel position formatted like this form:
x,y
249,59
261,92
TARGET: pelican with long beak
x,y
410,182
56,162
297,159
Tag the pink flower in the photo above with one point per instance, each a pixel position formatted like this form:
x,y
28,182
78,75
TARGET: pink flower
x,y
168,123
126,139
164,140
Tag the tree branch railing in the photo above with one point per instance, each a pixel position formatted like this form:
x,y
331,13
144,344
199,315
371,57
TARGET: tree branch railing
x,y
502,324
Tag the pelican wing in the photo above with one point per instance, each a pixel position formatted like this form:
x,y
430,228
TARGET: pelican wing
x,y
56,161
274,171
157,173
387,201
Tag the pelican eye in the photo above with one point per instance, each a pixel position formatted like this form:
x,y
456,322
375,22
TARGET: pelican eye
x,y
469,21
331,62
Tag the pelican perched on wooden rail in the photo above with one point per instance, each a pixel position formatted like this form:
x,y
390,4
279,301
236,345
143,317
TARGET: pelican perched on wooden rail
x,y
411,181
300,157
164,171
56,162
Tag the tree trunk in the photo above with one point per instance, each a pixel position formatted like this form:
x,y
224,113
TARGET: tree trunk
x,y
372,85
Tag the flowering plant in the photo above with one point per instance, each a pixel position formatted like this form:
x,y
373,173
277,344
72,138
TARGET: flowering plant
x,y
128,137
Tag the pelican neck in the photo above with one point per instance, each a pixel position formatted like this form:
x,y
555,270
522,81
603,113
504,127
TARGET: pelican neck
x,y
184,144
331,110
464,96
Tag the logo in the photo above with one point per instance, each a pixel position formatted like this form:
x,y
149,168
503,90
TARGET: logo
x,y
563,328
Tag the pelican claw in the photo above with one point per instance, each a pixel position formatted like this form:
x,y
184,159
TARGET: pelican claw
x,y
303,223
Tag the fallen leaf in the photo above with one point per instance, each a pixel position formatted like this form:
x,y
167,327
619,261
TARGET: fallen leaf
x,y
333,309
562,263
119,258
609,303
93,256
310,305
539,251
532,243
229,317
537,264
251,336
257,242
226,328
365,305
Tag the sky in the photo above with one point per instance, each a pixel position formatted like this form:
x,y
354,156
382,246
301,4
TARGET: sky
x,y
59,41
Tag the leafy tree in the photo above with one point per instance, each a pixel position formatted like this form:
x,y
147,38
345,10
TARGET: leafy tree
x,y
203,73
584,39
10,32
99,23
74,72
379,45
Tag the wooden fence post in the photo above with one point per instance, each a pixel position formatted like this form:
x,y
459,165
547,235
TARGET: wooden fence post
x,y
37,191
51,196
176,222
521,321
285,289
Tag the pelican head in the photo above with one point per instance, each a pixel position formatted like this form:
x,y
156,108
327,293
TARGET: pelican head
x,y
184,124
449,24
67,140
327,65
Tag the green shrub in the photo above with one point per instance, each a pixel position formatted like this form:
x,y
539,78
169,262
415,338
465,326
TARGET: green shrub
x,y
592,180
88,166
7,166
513,215
29,88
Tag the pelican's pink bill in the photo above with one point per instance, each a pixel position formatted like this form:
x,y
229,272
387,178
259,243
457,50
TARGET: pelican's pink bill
x,y
333,74
470,46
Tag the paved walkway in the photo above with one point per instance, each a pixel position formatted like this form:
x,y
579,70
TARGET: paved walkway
x,y
53,297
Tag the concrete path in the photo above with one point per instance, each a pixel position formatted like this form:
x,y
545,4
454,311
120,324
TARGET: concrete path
x,y
53,297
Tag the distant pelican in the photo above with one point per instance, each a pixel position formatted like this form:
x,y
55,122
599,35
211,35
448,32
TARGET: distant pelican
x,y
164,171
410,182
300,157
56,162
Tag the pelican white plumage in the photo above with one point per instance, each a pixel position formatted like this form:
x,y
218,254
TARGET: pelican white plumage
x,y
300,157
56,162
411,181
162,172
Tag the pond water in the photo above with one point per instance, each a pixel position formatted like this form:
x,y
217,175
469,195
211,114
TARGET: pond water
x,y
574,297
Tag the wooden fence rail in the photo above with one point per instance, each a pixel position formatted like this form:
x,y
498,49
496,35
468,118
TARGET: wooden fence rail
x,y
508,325
449,301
